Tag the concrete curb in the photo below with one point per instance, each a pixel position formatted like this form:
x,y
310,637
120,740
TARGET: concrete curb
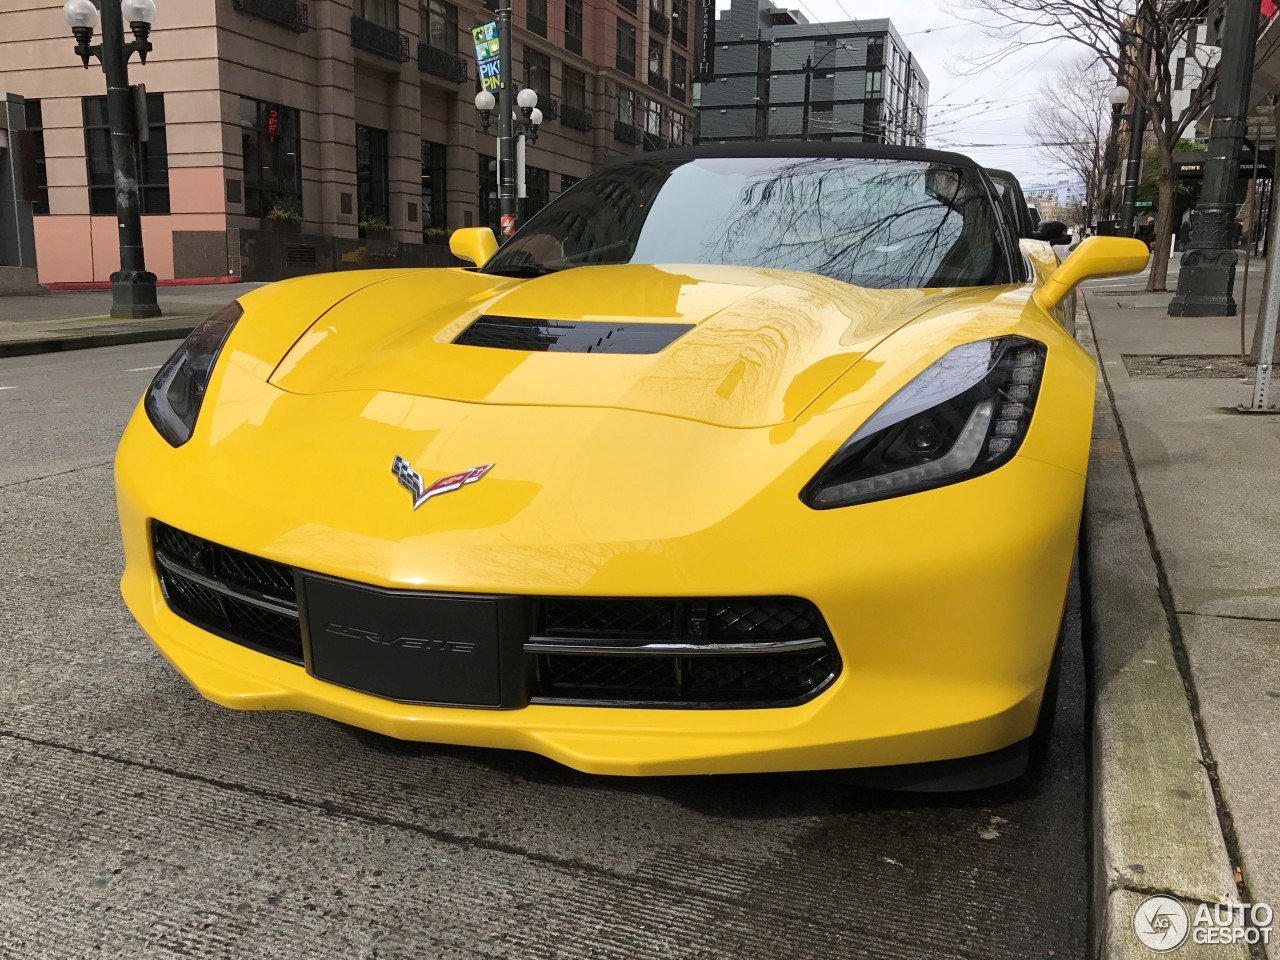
x,y
1155,823
114,338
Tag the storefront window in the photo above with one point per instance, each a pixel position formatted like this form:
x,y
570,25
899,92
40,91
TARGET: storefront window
x,y
35,124
373,193
272,149
434,188
151,157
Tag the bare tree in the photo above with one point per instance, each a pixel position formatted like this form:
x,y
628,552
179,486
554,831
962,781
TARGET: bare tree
x,y
1072,122
1138,42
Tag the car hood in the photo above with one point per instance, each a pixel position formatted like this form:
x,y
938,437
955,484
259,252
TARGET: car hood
x,y
752,347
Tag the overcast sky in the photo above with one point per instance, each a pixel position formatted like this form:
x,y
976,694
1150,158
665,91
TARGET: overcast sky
x,y
990,107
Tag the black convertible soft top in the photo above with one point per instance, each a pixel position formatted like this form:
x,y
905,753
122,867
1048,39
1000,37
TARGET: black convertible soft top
x,y
807,148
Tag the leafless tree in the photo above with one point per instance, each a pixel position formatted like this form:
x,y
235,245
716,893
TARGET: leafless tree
x,y
1136,41
1071,121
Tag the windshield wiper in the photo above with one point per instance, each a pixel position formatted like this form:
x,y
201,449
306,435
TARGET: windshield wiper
x,y
522,270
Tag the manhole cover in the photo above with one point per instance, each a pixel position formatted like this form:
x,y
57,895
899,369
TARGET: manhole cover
x,y
1185,366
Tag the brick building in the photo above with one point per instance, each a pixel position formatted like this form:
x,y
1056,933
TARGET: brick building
x,y
353,117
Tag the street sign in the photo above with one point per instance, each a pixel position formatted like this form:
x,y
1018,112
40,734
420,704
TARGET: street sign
x,y
1143,203
704,60
488,62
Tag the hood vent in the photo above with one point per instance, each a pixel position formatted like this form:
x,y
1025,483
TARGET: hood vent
x,y
570,336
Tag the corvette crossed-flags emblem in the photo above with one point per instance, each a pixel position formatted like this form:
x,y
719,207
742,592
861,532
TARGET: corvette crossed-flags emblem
x,y
411,480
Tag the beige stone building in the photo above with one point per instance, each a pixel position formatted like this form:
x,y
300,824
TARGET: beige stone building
x,y
288,137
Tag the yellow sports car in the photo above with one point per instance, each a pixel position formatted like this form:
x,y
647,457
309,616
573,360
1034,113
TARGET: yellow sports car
x,y
764,458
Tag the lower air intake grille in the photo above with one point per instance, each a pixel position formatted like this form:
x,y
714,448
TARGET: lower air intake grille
x,y
740,651
241,598
638,652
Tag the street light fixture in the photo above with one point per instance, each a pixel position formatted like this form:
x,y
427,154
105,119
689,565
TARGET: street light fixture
x,y
133,288
485,102
140,15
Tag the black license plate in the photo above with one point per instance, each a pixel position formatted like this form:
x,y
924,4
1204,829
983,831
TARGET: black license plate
x,y
417,648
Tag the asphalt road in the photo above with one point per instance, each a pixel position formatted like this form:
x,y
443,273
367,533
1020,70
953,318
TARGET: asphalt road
x,y
137,820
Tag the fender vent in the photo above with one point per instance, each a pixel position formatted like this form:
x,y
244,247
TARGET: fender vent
x,y
565,336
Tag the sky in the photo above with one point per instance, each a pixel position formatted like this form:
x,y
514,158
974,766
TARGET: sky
x,y
984,115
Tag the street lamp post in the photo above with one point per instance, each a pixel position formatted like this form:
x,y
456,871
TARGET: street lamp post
x,y
1132,169
506,142
1208,267
133,288
1117,98
519,130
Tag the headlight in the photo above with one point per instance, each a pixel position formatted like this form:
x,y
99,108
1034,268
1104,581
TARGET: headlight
x,y
965,415
174,397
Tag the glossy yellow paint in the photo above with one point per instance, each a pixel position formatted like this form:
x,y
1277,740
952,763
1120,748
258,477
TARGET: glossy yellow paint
x,y
475,244
672,474
1096,257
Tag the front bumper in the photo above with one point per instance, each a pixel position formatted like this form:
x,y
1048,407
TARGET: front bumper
x,y
944,607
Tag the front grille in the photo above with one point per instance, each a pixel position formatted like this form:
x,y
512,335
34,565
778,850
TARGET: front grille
x,y
639,619
739,651
242,598
687,652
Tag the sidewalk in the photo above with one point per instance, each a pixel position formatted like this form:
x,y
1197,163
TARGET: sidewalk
x,y
1182,537
70,321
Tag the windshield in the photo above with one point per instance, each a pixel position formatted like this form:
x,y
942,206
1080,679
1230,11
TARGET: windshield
x,y
870,222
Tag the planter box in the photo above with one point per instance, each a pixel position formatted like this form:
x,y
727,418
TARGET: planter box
x,y
280,226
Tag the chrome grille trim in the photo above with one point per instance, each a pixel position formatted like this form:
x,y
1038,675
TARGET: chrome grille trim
x,y
604,647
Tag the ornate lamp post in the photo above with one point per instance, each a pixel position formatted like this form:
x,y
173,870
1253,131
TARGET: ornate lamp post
x,y
133,288
1117,98
1208,267
511,144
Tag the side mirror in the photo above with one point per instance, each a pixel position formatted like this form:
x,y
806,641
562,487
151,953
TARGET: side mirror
x,y
1096,257
1051,231
476,244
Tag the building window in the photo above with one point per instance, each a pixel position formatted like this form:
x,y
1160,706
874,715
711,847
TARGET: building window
x,y
151,157
573,25
679,72
626,106
627,48
653,119
272,150
575,88
373,181
434,187
875,51
385,13
875,82
487,192
537,72
655,57
537,190
567,181
680,20
35,125
872,130
439,25
536,16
